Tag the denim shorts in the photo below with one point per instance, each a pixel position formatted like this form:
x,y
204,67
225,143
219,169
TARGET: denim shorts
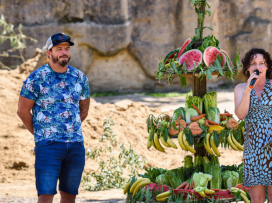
x,y
58,160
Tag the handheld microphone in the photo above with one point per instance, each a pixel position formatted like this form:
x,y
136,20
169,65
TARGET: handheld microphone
x,y
252,82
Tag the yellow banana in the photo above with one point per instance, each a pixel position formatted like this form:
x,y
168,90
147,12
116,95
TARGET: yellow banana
x,y
243,192
243,130
163,195
148,144
215,150
202,194
162,199
126,187
235,189
187,145
207,144
148,141
216,128
163,142
174,62
171,143
141,184
233,146
136,183
209,192
237,144
244,197
180,141
152,144
157,143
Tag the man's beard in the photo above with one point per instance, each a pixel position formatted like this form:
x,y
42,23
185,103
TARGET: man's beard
x,y
62,62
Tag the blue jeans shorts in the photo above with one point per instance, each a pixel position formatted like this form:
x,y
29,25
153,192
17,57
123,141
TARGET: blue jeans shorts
x,y
58,160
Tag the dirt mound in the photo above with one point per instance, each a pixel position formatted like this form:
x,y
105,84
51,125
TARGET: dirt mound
x,y
17,144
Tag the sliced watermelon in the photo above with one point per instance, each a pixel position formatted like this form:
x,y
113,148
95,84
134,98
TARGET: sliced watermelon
x,y
227,56
191,57
188,41
210,56
169,56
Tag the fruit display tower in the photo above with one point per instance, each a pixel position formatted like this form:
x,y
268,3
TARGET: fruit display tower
x,y
186,62
199,128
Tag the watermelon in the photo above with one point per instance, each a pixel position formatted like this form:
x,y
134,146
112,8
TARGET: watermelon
x,y
227,56
190,57
210,56
188,41
169,56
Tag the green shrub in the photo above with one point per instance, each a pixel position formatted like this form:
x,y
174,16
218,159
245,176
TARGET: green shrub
x,y
110,173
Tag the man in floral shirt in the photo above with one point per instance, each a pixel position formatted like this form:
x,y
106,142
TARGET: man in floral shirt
x,y
59,98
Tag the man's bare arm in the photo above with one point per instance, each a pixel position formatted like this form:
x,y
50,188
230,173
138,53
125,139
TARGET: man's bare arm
x,y
84,108
24,107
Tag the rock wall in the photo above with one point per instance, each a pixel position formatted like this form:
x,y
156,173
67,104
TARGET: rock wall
x,y
118,43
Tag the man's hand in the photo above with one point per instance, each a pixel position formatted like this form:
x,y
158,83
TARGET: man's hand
x,y
84,108
24,107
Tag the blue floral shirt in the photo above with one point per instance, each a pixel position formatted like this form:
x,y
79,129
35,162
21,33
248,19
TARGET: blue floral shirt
x,y
56,113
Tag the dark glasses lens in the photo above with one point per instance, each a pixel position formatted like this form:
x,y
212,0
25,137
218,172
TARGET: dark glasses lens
x,y
61,39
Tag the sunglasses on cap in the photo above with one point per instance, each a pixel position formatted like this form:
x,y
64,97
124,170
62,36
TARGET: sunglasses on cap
x,y
62,38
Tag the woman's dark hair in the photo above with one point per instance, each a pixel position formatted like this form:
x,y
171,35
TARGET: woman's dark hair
x,y
249,57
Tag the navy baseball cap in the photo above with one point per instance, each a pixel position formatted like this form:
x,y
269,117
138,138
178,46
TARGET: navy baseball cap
x,y
56,39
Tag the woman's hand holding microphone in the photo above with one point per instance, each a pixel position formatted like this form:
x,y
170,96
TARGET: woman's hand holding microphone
x,y
252,80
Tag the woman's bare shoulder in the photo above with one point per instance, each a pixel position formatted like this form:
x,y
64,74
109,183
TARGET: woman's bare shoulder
x,y
240,87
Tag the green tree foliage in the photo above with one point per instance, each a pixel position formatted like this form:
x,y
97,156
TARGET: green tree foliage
x,y
17,41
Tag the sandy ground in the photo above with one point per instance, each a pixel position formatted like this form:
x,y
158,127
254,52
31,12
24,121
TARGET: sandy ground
x,y
17,179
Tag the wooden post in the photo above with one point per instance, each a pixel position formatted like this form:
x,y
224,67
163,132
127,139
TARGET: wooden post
x,y
200,84
199,89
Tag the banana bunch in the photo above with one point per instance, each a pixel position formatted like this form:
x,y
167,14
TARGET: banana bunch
x,y
184,144
136,185
154,142
168,143
242,193
157,145
163,196
210,145
234,143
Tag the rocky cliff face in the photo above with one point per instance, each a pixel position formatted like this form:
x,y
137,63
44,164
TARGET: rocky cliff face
x,y
118,43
